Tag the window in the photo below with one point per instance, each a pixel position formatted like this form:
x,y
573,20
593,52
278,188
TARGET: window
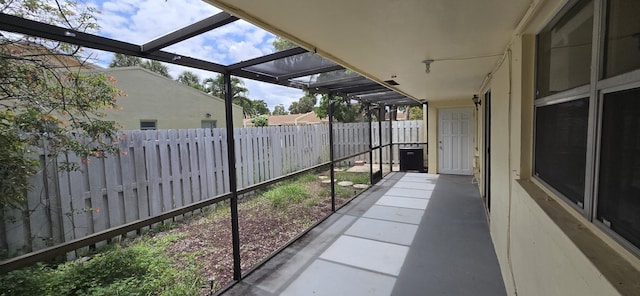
x,y
148,125
564,51
208,124
619,180
622,37
561,147
587,117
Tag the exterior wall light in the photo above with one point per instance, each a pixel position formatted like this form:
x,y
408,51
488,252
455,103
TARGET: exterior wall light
x,y
476,101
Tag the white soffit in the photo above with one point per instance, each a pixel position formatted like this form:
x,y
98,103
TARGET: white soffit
x,y
384,38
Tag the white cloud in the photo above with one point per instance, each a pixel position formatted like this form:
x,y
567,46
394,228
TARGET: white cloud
x,y
243,51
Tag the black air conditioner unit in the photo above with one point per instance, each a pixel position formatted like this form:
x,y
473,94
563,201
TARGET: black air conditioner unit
x,y
411,159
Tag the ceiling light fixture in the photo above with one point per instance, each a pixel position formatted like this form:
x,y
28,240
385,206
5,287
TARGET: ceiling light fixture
x,y
427,65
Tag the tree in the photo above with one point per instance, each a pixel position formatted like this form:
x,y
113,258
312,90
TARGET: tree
x,y
261,120
46,100
279,110
343,110
261,107
303,105
122,60
239,93
415,113
157,67
191,79
280,44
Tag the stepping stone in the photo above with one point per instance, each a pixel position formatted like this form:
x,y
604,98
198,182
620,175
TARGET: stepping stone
x,y
327,181
323,177
345,183
338,169
360,186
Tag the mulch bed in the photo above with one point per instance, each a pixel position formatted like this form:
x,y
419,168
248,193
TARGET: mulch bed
x,y
263,229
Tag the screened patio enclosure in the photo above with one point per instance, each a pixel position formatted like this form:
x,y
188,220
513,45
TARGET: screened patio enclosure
x,y
295,67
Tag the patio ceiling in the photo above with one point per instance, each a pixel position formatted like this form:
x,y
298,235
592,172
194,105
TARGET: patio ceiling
x,y
295,67
385,40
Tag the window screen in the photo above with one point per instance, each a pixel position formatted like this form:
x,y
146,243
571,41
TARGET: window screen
x,y
561,147
619,173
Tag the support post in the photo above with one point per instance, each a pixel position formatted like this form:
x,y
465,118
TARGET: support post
x,y
425,108
391,112
233,186
332,166
370,144
381,109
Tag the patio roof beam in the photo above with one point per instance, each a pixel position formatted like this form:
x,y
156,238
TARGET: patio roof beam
x,y
346,91
386,96
264,78
406,102
334,82
371,92
311,72
189,31
16,24
267,58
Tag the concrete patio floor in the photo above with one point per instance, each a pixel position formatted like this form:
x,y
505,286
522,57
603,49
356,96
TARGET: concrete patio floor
x,y
410,234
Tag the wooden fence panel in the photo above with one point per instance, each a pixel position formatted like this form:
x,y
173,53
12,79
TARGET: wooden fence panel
x,y
158,171
113,186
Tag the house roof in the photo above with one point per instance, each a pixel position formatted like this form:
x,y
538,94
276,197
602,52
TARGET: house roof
x,y
53,57
296,119
292,119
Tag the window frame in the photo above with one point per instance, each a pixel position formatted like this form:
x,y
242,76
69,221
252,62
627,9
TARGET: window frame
x,y
155,124
575,95
597,88
602,92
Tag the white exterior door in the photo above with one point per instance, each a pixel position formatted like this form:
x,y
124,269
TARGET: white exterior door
x,y
455,141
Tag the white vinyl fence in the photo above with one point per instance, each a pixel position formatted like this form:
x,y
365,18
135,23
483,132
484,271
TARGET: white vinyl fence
x,y
162,170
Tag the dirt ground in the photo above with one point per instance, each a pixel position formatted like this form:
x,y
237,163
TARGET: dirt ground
x,y
207,240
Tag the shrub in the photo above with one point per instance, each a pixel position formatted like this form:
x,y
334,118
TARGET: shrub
x,y
140,269
356,178
307,178
284,194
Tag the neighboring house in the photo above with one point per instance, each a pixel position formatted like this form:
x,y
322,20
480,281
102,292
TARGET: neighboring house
x,y
153,101
59,60
292,119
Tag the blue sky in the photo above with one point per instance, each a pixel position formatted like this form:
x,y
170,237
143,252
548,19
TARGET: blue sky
x,y
139,21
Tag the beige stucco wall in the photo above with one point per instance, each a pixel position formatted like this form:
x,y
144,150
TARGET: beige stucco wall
x,y
172,104
432,134
543,246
